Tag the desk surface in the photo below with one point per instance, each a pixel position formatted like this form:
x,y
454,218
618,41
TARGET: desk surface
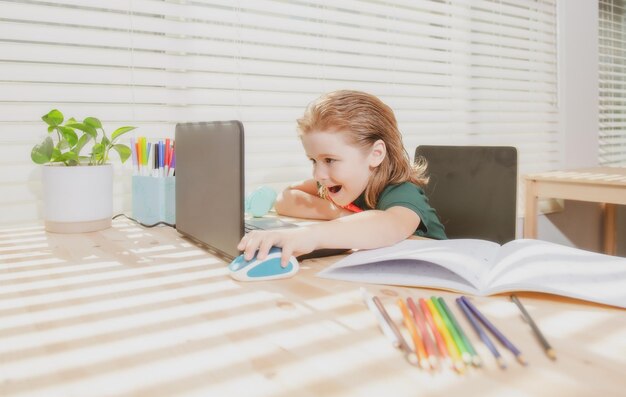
x,y
143,312
588,176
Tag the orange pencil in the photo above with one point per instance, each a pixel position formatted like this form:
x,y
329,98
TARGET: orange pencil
x,y
417,341
452,349
441,344
139,156
431,349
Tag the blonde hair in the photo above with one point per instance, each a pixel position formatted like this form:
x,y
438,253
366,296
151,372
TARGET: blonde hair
x,y
365,119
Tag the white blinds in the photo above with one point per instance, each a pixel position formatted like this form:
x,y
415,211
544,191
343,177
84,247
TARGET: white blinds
x,y
612,80
455,72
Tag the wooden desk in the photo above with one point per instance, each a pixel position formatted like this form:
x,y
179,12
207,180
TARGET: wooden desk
x,y
599,185
142,312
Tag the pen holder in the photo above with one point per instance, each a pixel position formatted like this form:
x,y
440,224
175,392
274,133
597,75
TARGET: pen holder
x,y
260,201
154,199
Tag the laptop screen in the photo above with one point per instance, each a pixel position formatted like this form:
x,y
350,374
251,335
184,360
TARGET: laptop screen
x,y
210,184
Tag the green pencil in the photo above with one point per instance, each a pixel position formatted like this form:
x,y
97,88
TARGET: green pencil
x,y
468,345
465,354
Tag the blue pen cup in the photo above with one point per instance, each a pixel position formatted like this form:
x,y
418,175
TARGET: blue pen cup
x,y
154,199
260,201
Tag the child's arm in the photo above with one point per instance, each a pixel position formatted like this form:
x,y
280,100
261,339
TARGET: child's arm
x,y
364,230
300,200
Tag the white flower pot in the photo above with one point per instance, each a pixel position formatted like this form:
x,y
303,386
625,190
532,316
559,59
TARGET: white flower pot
x,y
77,199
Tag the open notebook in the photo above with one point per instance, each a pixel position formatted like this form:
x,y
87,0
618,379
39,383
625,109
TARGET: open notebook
x,y
482,267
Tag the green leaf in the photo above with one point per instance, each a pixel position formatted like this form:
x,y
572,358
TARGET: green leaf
x,y
105,141
97,151
51,128
42,153
123,151
63,145
56,154
120,131
69,156
82,141
98,154
69,135
85,128
53,118
93,122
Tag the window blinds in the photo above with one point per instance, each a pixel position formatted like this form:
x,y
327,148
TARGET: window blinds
x,y
455,72
612,80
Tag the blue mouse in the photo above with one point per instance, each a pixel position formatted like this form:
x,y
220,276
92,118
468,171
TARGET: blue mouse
x,y
267,269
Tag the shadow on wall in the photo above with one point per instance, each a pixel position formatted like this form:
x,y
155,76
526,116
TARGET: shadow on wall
x,y
580,225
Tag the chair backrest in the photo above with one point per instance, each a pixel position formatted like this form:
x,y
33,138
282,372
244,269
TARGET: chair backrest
x,y
473,189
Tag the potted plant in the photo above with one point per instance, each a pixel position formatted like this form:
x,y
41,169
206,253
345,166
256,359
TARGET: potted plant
x,y
77,189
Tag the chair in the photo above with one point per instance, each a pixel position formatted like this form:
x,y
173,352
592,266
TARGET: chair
x,y
473,189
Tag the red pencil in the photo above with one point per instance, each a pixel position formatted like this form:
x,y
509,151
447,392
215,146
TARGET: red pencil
x,y
167,153
169,163
441,344
431,349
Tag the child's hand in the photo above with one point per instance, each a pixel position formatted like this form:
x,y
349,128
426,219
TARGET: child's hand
x,y
293,242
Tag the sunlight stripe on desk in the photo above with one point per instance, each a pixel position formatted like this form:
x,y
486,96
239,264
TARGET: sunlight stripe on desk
x,y
22,265
122,327
578,322
142,342
104,308
24,247
118,273
14,240
109,285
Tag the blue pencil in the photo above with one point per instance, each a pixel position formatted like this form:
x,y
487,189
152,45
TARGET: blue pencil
x,y
483,336
492,328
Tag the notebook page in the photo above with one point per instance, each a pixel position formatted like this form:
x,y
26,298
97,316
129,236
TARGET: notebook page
x,y
532,265
469,259
410,273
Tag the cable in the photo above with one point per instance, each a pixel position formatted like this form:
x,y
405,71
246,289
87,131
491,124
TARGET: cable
x,y
143,224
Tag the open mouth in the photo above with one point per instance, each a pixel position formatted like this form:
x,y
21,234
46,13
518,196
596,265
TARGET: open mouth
x,y
334,189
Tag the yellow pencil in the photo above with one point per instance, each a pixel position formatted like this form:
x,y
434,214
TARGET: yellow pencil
x,y
409,323
452,348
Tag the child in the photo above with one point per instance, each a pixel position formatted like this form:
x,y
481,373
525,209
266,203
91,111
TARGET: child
x,y
360,169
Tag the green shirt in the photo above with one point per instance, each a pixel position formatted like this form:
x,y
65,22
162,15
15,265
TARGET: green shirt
x,y
410,196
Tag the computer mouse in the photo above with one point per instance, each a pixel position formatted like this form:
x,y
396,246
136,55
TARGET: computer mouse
x,y
267,269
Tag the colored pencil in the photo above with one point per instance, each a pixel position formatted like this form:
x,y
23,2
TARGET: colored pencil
x,y
542,339
409,323
475,358
166,163
452,348
441,344
456,338
431,348
483,336
382,323
139,157
172,162
402,343
492,328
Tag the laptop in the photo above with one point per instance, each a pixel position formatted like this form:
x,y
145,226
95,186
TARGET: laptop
x,y
210,188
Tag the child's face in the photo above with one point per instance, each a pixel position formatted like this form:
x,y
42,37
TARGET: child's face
x,y
343,168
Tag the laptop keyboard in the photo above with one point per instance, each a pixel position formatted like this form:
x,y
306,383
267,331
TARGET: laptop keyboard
x,y
247,227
